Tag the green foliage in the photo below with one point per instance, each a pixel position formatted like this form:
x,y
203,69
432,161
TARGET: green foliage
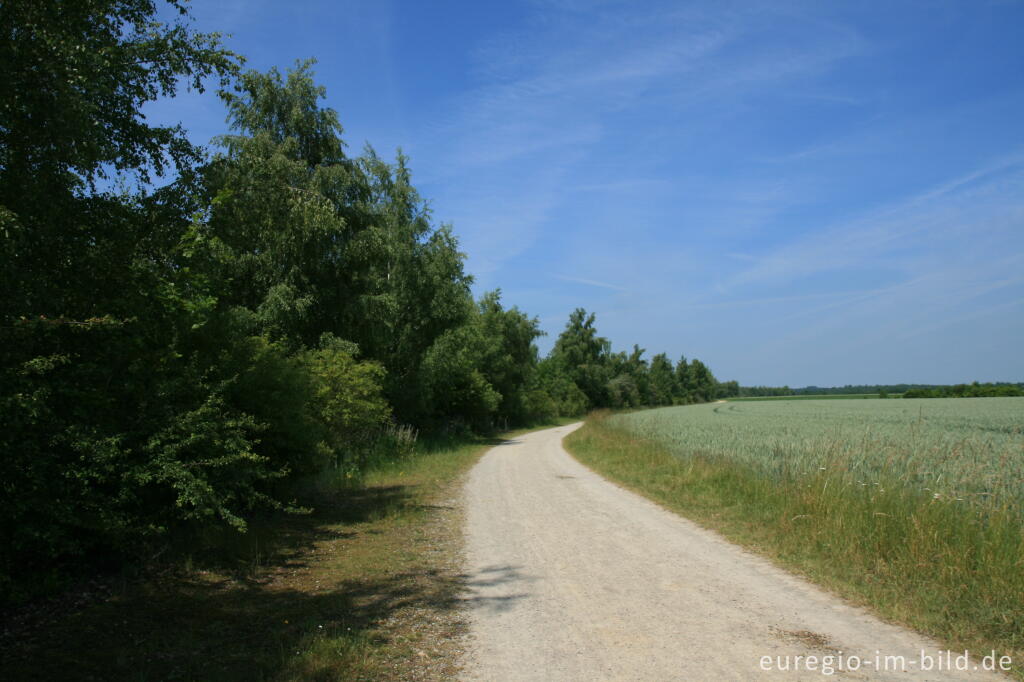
x,y
510,357
727,389
662,381
75,78
205,460
702,382
480,373
277,391
286,111
974,390
273,239
582,365
684,383
348,395
175,360
623,392
567,399
582,356
314,242
540,407
95,397
454,387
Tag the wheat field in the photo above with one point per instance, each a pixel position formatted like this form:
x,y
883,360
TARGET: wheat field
x,y
958,449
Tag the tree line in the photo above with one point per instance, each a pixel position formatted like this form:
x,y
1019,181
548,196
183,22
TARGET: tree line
x,y
182,356
582,372
906,390
972,390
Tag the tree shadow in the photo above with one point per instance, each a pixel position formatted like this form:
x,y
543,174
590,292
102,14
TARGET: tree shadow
x,y
208,630
489,589
212,624
278,538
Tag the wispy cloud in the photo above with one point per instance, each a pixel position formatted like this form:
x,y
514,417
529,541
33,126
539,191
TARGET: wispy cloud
x,y
554,97
928,330
840,298
988,199
590,282
736,173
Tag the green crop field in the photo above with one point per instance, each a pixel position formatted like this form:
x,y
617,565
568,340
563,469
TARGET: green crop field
x,y
967,450
827,396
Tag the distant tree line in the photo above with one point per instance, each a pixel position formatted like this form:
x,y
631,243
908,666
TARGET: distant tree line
x,y
182,357
582,372
908,390
972,390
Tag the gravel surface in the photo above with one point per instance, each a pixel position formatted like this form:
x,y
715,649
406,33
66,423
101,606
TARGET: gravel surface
x,y
573,578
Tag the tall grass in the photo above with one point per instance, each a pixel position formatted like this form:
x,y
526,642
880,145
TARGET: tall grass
x,y
917,515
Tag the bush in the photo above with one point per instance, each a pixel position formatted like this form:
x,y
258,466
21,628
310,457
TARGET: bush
x,y
348,400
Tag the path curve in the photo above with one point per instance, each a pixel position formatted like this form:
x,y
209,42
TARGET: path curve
x,y
574,578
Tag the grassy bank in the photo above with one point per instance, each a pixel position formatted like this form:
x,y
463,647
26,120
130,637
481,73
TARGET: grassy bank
x,y
955,572
365,588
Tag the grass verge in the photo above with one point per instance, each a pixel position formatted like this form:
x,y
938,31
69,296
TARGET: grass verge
x,y
913,560
365,588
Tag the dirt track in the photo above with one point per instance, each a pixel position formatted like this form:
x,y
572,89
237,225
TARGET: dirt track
x,y
573,578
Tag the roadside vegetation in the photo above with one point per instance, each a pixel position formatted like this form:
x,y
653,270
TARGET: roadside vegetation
x,y
364,588
913,508
192,340
217,362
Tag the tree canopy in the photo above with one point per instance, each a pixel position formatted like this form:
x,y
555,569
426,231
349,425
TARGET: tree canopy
x,y
177,359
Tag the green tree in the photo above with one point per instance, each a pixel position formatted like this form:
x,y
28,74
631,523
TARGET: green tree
x,y
277,239
628,386
307,241
347,399
453,386
728,389
107,429
684,381
481,372
638,369
75,78
662,380
583,356
702,381
623,392
553,382
510,358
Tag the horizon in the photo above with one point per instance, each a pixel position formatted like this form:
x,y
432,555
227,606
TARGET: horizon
x,y
799,195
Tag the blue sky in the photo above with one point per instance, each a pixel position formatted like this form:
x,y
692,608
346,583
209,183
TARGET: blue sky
x,y
794,192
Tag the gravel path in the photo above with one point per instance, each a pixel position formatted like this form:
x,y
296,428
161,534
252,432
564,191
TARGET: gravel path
x,y
574,578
